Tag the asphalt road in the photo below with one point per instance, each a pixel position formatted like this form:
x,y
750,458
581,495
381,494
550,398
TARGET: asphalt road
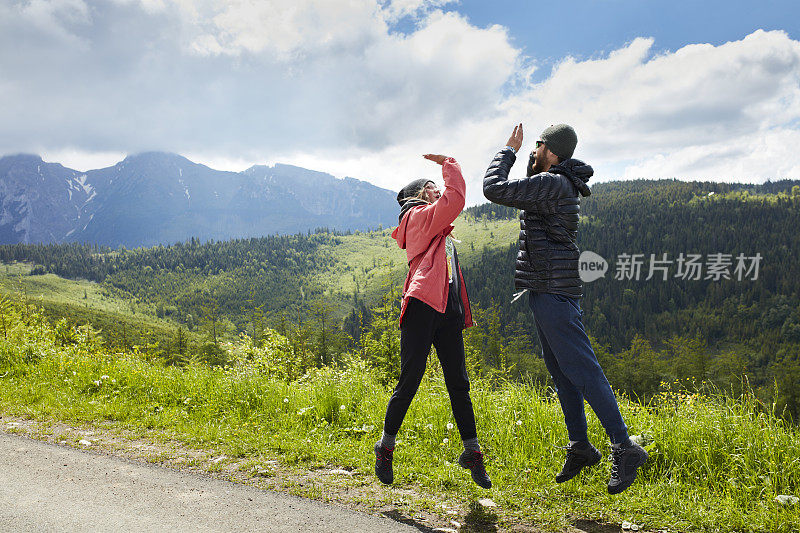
x,y
45,488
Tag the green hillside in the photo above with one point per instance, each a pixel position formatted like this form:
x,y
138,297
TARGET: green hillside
x,y
324,289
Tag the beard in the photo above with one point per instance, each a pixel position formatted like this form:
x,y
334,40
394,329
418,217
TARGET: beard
x,y
535,166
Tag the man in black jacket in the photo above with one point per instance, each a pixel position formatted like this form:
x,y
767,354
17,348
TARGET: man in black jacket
x,y
547,267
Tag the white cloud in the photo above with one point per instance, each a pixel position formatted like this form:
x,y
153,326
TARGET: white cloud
x,y
53,21
355,85
54,13
285,28
727,113
330,85
757,156
630,104
82,160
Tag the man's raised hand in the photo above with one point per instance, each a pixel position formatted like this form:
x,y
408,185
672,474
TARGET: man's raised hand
x,y
435,158
515,141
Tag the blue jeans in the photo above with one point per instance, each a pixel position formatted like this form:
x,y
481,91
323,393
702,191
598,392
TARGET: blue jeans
x,y
573,365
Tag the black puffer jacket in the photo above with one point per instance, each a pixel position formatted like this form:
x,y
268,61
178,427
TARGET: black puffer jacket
x,y
548,252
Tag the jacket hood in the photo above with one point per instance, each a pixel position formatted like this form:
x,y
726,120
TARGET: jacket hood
x,y
577,171
407,205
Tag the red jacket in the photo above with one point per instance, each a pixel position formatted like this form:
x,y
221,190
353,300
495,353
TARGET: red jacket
x,y
422,234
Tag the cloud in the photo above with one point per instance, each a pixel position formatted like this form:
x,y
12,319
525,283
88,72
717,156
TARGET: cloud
x,y
336,86
751,157
289,29
726,113
304,74
633,104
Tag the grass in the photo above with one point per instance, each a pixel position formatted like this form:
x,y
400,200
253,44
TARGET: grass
x,y
371,260
364,262
124,321
15,277
716,464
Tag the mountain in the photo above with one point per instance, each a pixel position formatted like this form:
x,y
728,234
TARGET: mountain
x,y
40,202
161,198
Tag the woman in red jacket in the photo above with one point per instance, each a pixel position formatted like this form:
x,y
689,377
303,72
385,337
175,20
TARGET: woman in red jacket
x,y
435,310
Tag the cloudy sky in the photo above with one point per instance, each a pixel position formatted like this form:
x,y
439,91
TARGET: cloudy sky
x,y
689,89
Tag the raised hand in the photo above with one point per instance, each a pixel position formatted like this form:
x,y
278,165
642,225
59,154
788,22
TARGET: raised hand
x,y
435,158
515,141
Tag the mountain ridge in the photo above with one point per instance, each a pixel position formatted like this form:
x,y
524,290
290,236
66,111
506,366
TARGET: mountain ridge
x,y
154,197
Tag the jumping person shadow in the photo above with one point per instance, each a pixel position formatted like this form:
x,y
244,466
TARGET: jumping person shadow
x,y
477,520
397,516
590,526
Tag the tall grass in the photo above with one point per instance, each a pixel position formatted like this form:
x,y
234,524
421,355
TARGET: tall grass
x,y
716,463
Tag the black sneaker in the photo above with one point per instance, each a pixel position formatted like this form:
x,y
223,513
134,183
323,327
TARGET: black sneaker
x,y
473,461
383,464
579,456
625,460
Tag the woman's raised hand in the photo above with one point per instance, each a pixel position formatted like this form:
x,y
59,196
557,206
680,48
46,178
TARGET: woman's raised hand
x,y
435,158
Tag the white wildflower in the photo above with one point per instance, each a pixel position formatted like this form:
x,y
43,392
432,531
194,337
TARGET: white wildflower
x,y
449,426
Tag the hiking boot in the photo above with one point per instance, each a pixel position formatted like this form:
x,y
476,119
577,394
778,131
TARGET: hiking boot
x,y
383,464
625,460
579,456
473,461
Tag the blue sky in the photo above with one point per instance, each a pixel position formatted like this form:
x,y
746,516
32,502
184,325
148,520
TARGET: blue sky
x,y
361,88
588,27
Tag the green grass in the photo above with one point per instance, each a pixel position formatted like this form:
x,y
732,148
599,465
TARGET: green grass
x,y
123,321
15,277
716,464
372,260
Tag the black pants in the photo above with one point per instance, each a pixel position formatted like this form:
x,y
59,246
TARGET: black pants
x,y
423,326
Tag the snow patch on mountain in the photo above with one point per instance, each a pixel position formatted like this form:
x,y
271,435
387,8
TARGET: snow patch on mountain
x,y
185,188
81,180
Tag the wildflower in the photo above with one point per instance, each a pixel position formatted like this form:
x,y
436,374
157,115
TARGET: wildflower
x,y
445,441
429,426
342,407
449,426
74,373
519,422
105,377
286,400
97,382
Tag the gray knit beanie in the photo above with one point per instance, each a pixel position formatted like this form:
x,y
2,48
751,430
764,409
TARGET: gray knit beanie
x,y
411,190
560,139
